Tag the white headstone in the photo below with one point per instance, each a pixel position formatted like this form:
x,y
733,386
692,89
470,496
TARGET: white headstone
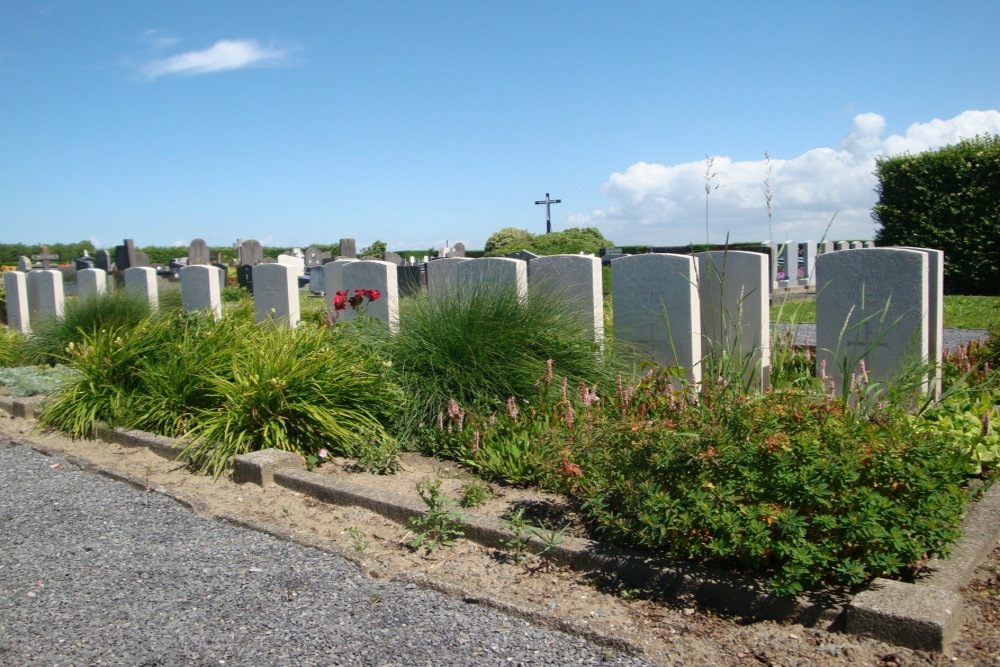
x,y
841,245
16,288
200,289
333,279
825,247
656,309
297,262
45,295
789,258
475,273
808,278
142,280
872,305
90,284
736,312
857,245
576,278
276,294
377,275
442,277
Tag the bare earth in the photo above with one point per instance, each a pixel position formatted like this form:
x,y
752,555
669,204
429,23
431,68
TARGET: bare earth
x,y
665,632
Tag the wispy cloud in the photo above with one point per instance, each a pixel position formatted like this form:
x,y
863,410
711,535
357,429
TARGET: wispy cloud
x,y
665,204
222,56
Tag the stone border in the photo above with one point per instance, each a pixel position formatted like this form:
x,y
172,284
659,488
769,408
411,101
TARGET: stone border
x,y
925,615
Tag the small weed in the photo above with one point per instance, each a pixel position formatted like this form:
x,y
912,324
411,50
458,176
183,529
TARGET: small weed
x,y
517,545
438,526
358,540
475,494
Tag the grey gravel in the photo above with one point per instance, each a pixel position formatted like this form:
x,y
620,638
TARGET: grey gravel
x,y
95,572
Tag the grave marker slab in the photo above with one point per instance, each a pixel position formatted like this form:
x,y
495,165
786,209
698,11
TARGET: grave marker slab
x,y
577,279
198,253
376,275
348,248
46,258
656,309
276,294
143,281
90,284
200,290
442,277
244,277
251,252
736,311
476,273
24,264
872,305
333,279
103,261
45,295
16,289
125,255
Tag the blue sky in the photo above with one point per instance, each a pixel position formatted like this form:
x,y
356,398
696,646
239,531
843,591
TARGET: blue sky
x,y
420,123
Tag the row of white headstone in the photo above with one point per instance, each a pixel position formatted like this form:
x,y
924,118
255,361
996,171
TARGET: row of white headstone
x,y
798,260
880,305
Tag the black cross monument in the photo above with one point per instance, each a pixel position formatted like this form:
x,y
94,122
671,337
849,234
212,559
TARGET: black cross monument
x,y
548,211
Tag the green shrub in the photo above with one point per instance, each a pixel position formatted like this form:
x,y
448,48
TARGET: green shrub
x,y
119,310
11,347
794,486
570,241
946,199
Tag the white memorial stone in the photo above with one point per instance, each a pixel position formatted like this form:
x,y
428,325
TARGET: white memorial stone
x,y
808,278
333,278
736,312
872,305
377,275
45,295
475,273
656,310
442,277
91,284
16,289
276,294
576,278
200,289
143,281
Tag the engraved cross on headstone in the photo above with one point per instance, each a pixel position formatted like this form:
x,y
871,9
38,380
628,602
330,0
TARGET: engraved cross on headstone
x,y
45,257
548,211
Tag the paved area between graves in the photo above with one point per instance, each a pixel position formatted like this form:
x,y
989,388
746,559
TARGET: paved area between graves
x,y
925,615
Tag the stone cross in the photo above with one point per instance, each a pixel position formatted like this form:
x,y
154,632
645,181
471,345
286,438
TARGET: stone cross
x,y
45,257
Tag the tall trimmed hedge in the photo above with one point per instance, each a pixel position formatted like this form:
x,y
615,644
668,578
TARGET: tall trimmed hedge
x,y
947,199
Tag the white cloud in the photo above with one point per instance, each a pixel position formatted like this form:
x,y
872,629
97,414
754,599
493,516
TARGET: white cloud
x,y
222,56
665,205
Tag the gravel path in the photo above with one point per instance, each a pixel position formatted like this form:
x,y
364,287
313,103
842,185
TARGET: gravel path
x,y
96,572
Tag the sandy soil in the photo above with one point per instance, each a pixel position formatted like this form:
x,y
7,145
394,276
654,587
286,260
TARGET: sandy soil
x,y
672,632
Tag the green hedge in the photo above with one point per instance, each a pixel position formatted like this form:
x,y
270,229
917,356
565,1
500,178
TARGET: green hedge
x,y
947,199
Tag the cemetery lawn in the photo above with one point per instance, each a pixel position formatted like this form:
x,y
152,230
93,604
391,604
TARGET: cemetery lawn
x,y
960,312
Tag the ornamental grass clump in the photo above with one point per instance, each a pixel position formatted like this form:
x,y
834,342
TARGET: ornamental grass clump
x,y
299,390
478,347
119,310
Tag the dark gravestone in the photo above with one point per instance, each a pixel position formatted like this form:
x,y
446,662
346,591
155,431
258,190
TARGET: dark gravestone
x,y
81,263
526,255
392,258
313,257
609,254
458,250
410,279
46,258
141,259
244,277
198,253
125,255
251,253
103,260
223,274
348,248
